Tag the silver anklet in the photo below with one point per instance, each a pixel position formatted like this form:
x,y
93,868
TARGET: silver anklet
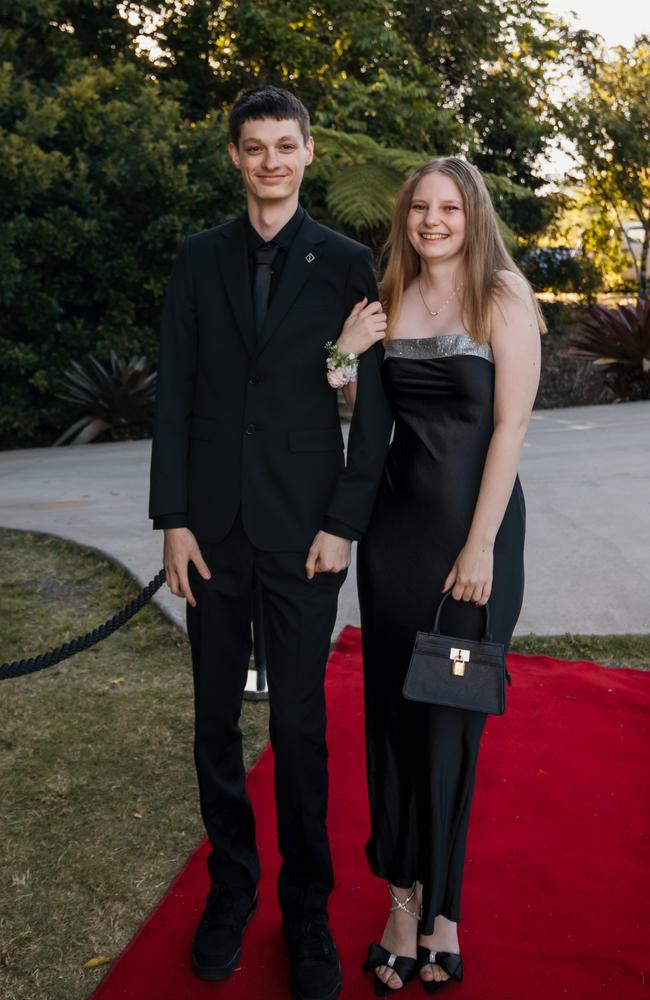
x,y
402,904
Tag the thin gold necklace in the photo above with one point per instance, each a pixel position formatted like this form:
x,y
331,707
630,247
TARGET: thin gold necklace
x,y
436,312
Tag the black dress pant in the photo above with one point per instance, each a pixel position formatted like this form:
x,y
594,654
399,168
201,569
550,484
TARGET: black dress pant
x,y
299,616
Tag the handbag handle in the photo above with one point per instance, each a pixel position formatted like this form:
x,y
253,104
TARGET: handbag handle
x,y
487,634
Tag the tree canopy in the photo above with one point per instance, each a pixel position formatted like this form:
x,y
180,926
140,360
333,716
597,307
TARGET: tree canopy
x,y
472,77
610,126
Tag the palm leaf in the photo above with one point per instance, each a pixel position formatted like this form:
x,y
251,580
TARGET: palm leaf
x,y
618,339
117,397
83,431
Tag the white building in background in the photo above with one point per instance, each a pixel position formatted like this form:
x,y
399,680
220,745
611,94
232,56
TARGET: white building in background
x,y
632,244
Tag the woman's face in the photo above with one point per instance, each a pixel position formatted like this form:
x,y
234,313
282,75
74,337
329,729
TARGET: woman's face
x,y
436,219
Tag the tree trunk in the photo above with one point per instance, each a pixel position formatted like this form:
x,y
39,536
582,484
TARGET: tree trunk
x,y
643,269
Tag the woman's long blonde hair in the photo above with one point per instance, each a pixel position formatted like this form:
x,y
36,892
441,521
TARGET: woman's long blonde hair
x,y
484,252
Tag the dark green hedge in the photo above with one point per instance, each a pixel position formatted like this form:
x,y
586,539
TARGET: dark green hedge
x,y
99,183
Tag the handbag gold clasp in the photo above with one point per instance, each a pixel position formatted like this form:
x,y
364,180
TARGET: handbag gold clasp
x,y
459,657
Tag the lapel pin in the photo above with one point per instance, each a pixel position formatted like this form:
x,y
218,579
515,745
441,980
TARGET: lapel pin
x,y
310,258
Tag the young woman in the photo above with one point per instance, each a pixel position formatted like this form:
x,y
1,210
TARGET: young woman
x,y
461,368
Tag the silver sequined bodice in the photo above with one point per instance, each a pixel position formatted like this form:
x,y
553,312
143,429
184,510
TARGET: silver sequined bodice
x,y
444,346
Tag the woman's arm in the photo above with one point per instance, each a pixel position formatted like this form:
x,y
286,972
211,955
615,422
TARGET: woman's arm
x,y
350,507
516,349
365,325
350,394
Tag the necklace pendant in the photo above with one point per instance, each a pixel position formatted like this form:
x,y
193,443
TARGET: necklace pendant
x,y
436,312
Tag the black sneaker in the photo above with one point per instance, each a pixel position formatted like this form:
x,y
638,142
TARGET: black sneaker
x,y
216,947
315,966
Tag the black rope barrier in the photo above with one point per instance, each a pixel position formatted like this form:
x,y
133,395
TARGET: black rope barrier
x,y
21,667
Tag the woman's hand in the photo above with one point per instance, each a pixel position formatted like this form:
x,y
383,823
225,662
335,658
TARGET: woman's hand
x,y
471,574
365,325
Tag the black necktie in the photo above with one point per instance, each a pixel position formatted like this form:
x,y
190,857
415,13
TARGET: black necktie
x,y
264,257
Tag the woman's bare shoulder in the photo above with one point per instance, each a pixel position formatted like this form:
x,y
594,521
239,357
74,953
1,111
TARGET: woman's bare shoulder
x,y
510,283
514,319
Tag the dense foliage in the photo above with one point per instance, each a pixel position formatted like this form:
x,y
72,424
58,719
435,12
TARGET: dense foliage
x,y
562,269
99,182
610,126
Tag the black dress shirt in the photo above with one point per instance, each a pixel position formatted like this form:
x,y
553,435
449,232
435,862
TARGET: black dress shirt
x,y
281,240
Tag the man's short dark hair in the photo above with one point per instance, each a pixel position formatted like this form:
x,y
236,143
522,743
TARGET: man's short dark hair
x,y
267,102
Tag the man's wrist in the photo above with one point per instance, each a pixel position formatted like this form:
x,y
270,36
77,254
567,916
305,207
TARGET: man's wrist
x,y
178,520
339,528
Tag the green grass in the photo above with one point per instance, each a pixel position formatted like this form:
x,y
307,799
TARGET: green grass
x,y
97,783
99,800
609,650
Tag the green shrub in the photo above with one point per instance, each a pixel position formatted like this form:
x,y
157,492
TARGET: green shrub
x,y
560,269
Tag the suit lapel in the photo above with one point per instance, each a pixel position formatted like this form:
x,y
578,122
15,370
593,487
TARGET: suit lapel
x,y
233,264
302,260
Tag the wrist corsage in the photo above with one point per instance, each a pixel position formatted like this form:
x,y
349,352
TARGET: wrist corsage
x,y
341,367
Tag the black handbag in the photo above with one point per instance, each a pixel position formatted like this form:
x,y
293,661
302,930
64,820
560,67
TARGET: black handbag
x,y
459,673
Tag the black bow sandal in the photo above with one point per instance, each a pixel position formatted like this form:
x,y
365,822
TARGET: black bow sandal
x,y
447,960
405,967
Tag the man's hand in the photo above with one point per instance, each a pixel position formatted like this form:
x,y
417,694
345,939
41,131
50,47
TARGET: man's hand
x,y
328,554
181,548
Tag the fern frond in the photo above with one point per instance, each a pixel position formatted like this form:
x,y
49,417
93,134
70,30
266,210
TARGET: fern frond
x,y
361,196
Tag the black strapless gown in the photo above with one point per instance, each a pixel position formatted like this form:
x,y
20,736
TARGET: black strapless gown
x,y
422,758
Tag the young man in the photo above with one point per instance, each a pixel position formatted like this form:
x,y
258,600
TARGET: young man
x,y
249,482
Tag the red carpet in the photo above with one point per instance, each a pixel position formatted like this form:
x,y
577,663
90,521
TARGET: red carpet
x,y
556,887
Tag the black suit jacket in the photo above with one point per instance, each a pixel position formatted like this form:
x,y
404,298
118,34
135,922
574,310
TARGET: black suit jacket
x,y
255,425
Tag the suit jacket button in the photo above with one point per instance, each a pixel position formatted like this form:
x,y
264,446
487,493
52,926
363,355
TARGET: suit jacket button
x,y
250,429
253,380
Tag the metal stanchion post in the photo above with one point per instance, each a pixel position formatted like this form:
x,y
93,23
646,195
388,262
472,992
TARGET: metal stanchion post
x,y
256,686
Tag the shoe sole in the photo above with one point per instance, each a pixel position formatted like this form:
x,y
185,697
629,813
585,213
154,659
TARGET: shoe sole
x,y
324,996
213,973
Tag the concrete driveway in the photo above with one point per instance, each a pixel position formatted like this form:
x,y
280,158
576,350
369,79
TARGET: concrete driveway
x,y
585,473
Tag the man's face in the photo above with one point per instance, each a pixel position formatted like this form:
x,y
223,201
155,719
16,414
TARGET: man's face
x,y
272,157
